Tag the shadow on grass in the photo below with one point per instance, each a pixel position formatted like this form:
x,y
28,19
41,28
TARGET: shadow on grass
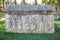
x,y
57,26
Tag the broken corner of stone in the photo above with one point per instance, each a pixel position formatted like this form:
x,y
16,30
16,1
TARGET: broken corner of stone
x,y
30,19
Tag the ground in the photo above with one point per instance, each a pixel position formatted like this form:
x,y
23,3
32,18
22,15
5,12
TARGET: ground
x,y
31,36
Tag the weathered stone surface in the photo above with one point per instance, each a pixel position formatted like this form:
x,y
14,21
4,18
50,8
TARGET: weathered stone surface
x,y
30,23
17,19
30,7
26,9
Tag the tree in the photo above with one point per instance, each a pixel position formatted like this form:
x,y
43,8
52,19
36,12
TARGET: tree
x,y
0,2
3,3
35,2
0,5
15,2
50,2
10,3
58,7
2,8
23,2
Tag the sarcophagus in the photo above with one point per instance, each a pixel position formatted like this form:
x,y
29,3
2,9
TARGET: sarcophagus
x,y
30,19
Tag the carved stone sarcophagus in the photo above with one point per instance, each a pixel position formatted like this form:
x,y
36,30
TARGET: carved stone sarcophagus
x,y
30,19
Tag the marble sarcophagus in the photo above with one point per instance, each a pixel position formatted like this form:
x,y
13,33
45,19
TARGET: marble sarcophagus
x,y
30,19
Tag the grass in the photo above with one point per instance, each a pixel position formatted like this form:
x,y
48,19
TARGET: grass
x,y
57,26
31,36
2,25
22,36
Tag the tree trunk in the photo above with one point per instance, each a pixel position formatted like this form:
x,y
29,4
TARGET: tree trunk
x,y
35,2
58,7
23,2
3,5
15,2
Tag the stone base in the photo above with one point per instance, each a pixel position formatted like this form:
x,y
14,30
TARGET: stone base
x,y
30,23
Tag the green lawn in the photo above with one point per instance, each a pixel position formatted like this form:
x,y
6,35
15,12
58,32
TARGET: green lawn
x,y
2,25
16,36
